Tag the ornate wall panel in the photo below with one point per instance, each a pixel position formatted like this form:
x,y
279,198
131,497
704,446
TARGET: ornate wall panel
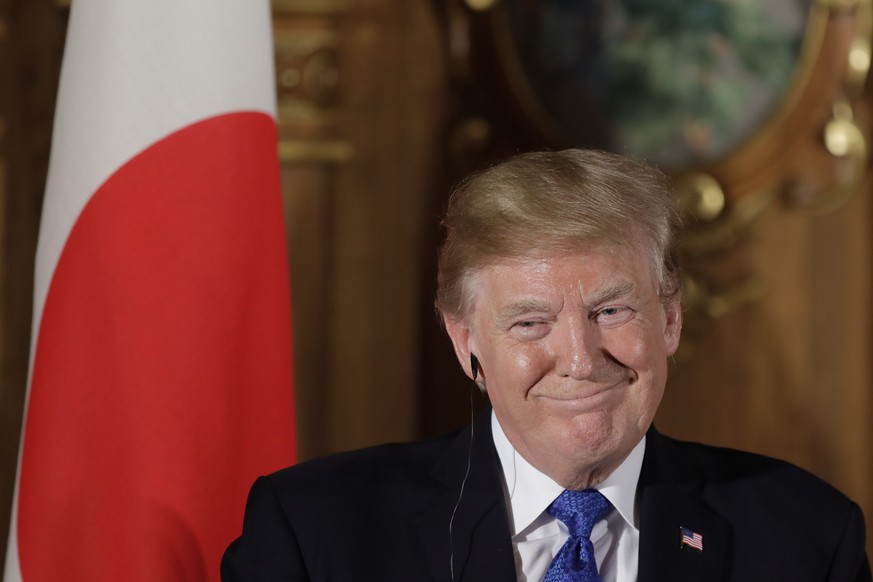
x,y
360,87
383,105
312,150
777,342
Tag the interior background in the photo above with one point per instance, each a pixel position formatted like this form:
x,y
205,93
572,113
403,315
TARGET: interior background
x,y
379,117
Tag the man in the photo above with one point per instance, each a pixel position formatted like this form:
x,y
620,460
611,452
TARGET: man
x,y
559,289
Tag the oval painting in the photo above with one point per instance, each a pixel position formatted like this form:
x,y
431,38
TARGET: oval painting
x,y
676,82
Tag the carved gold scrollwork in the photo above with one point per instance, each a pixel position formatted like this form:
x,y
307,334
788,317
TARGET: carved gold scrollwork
x,y
480,5
470,137
720,227
844,137
310,6
701,196
306,42
808,150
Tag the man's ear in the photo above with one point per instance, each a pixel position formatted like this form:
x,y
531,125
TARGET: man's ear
x,y
672,325
462,339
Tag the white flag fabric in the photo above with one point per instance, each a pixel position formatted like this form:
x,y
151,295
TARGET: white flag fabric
x,y
160,382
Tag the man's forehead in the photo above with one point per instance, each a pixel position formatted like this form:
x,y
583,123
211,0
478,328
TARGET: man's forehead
x,y
534,283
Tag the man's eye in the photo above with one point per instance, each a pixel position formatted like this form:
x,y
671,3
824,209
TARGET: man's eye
x,y
613,314
529,329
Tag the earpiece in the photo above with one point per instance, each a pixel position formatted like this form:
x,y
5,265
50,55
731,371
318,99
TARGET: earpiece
x,y
474,370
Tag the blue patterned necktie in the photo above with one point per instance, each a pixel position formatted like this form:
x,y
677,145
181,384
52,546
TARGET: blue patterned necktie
x,y
579,510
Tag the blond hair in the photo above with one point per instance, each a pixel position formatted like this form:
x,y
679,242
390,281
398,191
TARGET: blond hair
x,y
563,201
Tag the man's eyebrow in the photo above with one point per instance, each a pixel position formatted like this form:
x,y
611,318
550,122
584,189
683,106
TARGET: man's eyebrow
x,y
612,292
522,307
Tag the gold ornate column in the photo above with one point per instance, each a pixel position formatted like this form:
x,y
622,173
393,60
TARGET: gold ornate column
x,y
361,94
312,147
307,39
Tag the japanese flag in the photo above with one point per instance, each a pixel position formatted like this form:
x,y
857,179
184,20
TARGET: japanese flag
x,y
160,380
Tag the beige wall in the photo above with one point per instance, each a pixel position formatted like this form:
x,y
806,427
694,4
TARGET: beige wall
x,y
789,374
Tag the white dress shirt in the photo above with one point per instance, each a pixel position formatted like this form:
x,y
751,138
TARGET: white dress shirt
x,y
537,536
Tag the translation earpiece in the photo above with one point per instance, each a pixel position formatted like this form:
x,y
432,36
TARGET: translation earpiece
x,y
474,365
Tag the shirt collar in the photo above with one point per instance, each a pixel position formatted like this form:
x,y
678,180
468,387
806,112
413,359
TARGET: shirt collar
x,y
530,492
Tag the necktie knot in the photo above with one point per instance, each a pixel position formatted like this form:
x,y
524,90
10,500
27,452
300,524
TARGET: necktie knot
x,y
579,510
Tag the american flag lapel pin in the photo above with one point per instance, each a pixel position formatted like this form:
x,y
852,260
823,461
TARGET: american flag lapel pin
x,y
690,539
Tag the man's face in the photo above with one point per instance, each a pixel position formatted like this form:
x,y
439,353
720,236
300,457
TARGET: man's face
x,y
573,352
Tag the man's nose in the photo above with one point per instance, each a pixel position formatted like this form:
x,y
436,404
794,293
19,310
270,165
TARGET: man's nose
x,y
579,347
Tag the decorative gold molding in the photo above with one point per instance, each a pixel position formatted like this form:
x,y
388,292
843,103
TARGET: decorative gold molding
x,y
304,42
311,6
838,4
701,196
844,139
307,72
308,81
469,137
717,304
296,151
843,136
300,111
480,5
860,51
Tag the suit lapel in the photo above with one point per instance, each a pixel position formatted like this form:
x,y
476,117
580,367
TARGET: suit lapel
x,y
479,547
671,497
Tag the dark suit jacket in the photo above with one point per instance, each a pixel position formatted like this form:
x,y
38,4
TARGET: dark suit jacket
x,y
383,514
